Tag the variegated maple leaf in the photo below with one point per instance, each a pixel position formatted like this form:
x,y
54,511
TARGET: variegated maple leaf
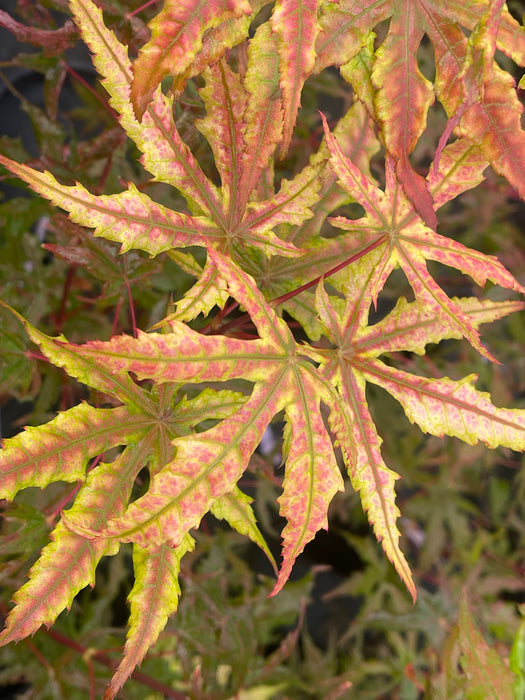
x,y
265,244
478,96
146,423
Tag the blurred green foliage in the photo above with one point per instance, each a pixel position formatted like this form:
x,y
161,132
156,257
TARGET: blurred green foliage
x,y
359,636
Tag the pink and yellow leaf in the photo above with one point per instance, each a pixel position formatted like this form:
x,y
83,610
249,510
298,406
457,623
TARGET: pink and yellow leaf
x,y
295,23
460,167
61,449
65,566
184,355
216,42
291,205
154,597
65,355
445,407
166,156
494,124
362,189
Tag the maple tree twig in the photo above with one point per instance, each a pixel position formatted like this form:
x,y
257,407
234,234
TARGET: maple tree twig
x,y
106,660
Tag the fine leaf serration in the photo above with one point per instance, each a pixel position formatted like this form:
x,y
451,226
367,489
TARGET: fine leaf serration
x,y
265,249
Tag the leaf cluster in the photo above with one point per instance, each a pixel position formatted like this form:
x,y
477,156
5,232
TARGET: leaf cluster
x,y
277,259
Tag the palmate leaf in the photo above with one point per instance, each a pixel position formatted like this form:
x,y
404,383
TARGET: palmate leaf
x,y
147,424
208,465
131,217
263,238
399,96
437,406
408,243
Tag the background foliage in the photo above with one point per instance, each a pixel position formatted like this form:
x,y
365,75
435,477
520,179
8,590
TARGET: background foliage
x,y
344,626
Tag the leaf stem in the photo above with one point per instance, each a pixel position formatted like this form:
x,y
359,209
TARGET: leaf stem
x,y
241,320
348,261
72,72
142,7
107,661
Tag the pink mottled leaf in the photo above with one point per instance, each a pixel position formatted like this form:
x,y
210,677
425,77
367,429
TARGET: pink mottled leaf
x,y
402,101
216,41
460,167
477,94
208,465
409,243
437,406
57,350
67,564
210,290
409,326
295,23
60,450
177,33
195,441
371,478
154,597
358,439
290,205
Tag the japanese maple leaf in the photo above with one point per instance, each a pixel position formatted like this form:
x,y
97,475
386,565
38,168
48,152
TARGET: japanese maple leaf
x,y
207,466
243,125
145,424
437,406
399,96
406,242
